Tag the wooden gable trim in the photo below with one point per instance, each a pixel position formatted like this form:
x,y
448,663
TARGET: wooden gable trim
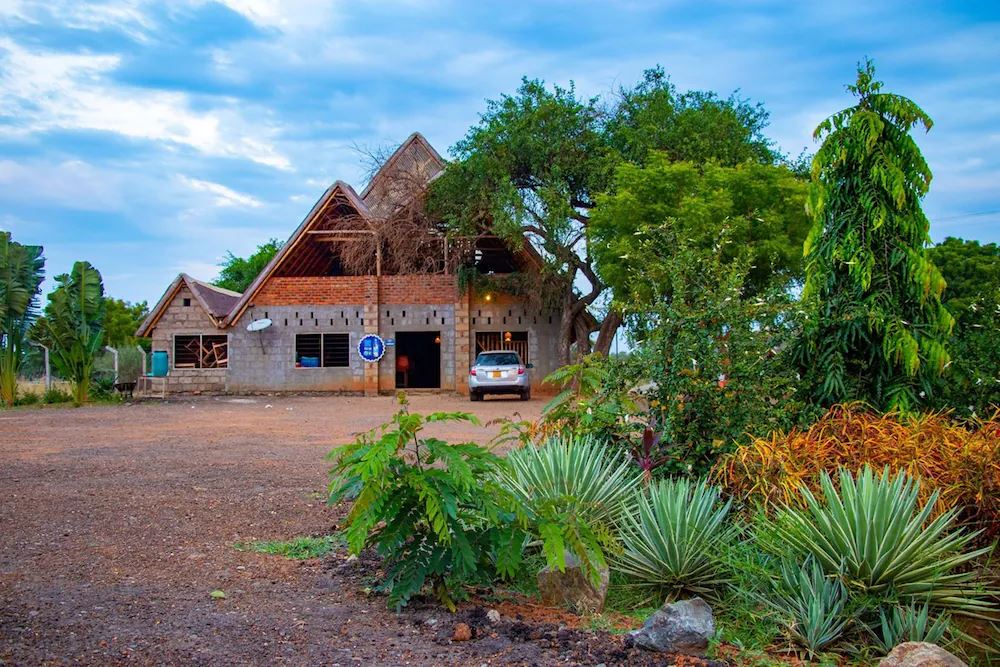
x,y
382,172
182,280
297,236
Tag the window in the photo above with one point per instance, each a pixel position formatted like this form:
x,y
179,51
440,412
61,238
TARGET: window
x,y
201,351
187,302
330,350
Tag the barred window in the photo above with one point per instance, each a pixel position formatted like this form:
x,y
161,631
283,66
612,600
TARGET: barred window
x,y
331,350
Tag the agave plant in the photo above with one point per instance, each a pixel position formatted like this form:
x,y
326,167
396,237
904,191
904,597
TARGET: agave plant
x,y
908,624
810,604
572,491
873,532
674,535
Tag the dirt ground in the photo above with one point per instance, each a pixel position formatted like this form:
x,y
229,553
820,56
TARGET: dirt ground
x,y
117,522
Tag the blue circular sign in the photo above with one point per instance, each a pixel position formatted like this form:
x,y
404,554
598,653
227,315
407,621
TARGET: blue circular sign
x,y
371,347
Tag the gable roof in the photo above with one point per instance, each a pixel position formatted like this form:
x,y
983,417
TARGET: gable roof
x,y
414,159
215,301
339,187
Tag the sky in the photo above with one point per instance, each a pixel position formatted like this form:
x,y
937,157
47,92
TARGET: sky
x,y
150,138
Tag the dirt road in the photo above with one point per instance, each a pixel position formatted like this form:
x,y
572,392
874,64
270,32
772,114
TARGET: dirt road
x,y
116,523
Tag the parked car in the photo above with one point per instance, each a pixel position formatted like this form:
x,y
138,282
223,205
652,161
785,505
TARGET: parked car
x,y
499,372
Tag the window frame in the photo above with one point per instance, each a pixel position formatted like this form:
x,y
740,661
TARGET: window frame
x,y
322,349
200,336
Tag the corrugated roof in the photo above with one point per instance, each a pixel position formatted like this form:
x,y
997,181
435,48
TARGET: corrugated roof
x,y
411,166
218,301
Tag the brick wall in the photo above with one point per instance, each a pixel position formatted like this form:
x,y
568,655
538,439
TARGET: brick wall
x,y
190,319
343,290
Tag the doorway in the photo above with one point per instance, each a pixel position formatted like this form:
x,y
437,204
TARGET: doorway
x,y
418,359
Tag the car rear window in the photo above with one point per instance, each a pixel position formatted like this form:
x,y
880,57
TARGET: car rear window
x,y
498,359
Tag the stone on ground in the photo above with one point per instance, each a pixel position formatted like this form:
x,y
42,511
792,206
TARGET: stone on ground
x,y
920,654
677,627
572,588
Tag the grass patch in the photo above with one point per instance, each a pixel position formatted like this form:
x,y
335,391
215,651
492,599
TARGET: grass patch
x,y
300,548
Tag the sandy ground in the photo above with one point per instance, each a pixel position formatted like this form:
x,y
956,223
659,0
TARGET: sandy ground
x,y
116,522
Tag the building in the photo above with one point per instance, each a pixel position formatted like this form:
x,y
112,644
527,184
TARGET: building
x,y
340,276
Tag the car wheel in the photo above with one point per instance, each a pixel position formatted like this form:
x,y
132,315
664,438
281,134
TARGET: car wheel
x,y
473,396
526,395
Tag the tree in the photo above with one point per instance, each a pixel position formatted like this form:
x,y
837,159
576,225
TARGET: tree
x,y
760,209
121,320
877,328
72,326
21,272
535,163
971,384
237,273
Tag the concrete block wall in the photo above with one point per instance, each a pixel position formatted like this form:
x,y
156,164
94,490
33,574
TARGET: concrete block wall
x,y
185,320
394,318
505,313
253,369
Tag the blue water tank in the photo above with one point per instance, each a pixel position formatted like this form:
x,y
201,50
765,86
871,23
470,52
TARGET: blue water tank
x,y
160,363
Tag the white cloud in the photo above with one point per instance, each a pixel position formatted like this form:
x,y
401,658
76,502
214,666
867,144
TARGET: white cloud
x,y
221,195
72,184
44,91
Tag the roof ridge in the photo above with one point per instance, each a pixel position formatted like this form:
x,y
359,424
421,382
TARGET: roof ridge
x,y
415,137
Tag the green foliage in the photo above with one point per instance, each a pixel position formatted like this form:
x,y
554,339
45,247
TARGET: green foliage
x,y
21,273
72,326
56,395
709,360
433,510
299,548
873,534
910,623
537,160
29,398
236,273
591,402
877,329
971,384
573,491
129,364
811,605
673,535
121,321
760,206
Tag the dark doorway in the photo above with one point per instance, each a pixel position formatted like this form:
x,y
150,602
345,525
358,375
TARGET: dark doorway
x,y
418,360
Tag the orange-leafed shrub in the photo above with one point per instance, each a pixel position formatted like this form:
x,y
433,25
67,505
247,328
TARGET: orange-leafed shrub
x,y
960,460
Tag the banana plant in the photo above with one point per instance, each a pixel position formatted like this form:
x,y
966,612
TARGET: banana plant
x,y
73,326
21,272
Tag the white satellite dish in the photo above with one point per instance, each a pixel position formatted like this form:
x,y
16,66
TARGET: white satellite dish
x,y
259,325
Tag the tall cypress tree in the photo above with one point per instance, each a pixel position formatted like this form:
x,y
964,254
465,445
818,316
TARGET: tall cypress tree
x,y
876,327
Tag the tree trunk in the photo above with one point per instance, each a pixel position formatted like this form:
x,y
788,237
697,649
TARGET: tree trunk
x,y
566,326
582,330
609,327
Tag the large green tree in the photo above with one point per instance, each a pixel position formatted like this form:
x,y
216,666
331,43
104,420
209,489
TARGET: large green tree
x,y
21,273
876,329
759,209
536,161
236,273
72,327
971,384
121,320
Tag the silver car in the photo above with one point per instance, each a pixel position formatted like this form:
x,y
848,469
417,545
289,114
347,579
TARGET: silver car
x,y
499,372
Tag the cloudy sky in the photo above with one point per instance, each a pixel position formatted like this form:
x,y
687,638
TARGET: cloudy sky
x,y
151,137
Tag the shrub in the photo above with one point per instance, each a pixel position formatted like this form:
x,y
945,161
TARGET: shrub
x,y
908,624
810,605
673,536
27,398
572,491
873,533
433,510
56,395
958,461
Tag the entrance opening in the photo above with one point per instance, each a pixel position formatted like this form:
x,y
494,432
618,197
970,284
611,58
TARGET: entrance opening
x,y
418,359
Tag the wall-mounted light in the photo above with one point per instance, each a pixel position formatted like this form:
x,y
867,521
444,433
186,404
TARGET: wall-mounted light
x,y
488,297
437,340
507,336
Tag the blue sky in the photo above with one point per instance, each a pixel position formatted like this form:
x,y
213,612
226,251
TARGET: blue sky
x,y
152,137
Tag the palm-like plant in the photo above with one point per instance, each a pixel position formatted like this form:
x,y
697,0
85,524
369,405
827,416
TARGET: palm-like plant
x,y
874,534
573,492
21,271
673,537
810,604
908,624
73,325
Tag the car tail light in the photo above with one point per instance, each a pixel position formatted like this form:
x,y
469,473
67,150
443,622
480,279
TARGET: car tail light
x,y
520,370
472,371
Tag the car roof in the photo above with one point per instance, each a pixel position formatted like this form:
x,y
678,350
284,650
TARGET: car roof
x,y
500,352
